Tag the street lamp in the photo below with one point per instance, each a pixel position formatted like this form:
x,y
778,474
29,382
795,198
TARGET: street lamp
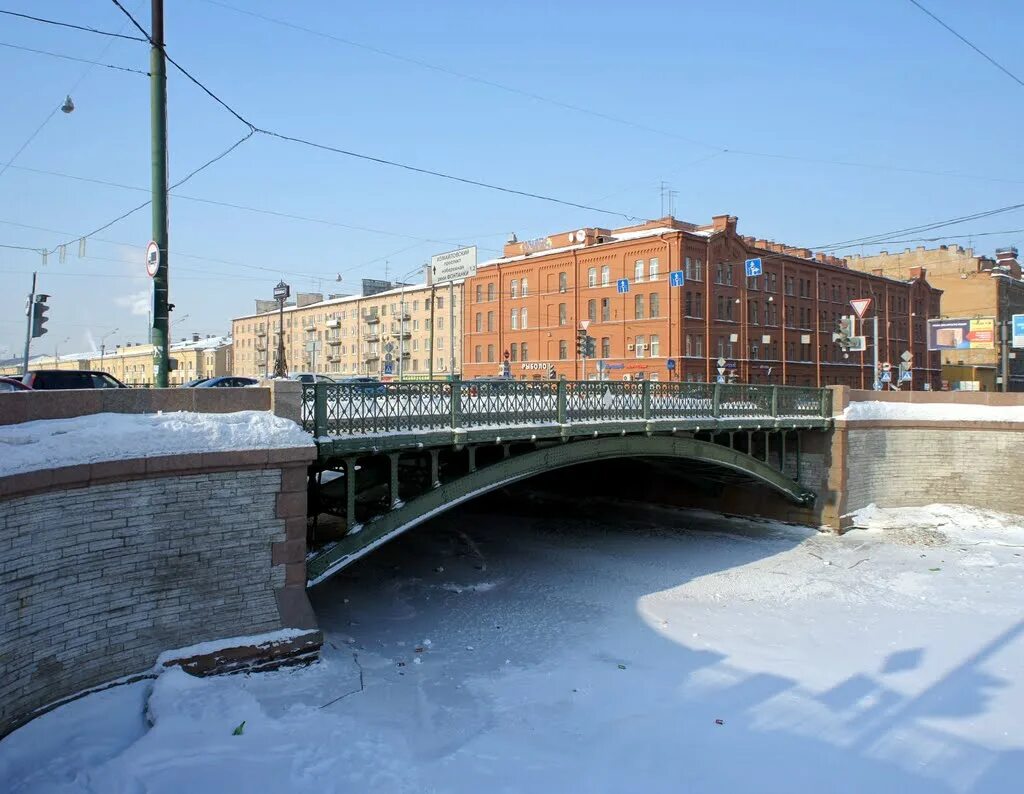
x,y
103,343
64,341
281,293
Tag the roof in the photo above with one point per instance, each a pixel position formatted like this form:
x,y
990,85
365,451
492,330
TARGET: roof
x,y
609,239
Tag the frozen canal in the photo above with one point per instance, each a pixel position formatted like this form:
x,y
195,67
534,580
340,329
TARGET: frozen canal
x,y
609,651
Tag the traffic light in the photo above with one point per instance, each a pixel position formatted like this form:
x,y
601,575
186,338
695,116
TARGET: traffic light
x,y
39,318
590,345
844,331
581,343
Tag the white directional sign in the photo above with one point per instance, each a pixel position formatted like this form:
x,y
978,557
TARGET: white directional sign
x,y
453,265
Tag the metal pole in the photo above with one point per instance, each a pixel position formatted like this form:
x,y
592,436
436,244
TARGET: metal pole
x,y
1004,344
432,300
158,123
280,367
451,328
401,334
874,378
28,324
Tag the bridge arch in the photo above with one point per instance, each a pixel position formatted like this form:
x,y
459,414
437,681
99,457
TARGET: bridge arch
x,y
335,556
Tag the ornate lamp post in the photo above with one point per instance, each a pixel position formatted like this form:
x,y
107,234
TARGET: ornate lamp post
x,y
281,293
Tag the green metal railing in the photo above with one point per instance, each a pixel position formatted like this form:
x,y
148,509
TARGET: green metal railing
x,y
345,409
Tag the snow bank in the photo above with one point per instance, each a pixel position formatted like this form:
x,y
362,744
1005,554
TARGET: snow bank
x,y
934,412
30,446
215,646
938,524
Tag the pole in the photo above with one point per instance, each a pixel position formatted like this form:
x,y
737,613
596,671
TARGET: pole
x,y
28,324
1004,352
874,329
432,301
401,334
158,124
451,328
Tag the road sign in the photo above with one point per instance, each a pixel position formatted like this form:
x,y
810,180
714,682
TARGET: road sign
x,y
152,258
907,356
721,362
885,378
676,278
886,366
389,347
721,370
720,379
584,324
1018,331
857,344
671,364
389,368
860,305
905,377
753,267
453,265
622,285
505,355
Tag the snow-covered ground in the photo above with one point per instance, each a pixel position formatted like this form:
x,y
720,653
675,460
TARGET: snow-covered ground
x,y
613,651
30,446
934,412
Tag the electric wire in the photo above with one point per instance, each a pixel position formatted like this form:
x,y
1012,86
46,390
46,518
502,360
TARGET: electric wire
x,y
69,25
73,58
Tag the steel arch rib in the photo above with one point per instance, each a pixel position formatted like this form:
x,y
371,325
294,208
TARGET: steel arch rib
x,y
432,503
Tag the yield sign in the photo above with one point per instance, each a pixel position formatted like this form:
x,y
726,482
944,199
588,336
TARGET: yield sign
x,y
860,305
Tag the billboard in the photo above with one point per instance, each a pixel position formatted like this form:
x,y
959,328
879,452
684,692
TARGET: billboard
x,y
976,334
1018,330
454,265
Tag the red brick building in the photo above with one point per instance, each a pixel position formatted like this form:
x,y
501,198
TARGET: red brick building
x,y
774,328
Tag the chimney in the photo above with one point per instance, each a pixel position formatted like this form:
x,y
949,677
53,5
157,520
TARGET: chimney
x,y
195,337
720,223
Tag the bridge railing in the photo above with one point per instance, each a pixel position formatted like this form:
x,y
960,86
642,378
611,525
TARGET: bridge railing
x,y
345,409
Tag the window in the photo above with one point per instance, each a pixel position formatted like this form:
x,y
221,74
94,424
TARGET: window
x,y
526,289
592,277
490,292
638,306
728,274
479,322
522,317
513,352
789,285
698,270
652,268
479,293
719,274
638,270
688,349
606,275
752,312
641,343
440,303
515,319
563,282
592,310
478,354
524,353
490,321
606,347
688,269
753,282
440,323
562,314
563,350
605,309
654,304
771,284
513,288
655,346
753,351
490,354
689,305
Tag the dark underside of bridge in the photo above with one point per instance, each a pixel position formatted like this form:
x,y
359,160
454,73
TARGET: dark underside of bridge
x,y
359,501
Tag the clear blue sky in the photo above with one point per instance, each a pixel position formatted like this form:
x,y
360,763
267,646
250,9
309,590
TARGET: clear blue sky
x,y
873,82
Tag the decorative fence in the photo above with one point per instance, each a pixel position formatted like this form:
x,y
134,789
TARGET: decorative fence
x,y
367,408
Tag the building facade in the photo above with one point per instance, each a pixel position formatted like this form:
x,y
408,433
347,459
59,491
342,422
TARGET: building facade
x,y
132,364
972,287
403,332
526,307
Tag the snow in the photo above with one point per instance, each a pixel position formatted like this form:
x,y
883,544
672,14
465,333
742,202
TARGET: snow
x,y
619,650
934,412
213,646
31,446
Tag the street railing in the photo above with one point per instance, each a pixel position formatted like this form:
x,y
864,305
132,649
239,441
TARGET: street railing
x,y
361,408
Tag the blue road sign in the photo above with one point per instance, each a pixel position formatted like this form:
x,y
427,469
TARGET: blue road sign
x,y
389,368
671,364
885,378
720,379
622,285
905,377
753,267
676,278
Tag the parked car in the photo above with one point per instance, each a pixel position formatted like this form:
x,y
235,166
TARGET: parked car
x,y
70,379
365,385
12,384
311,377
486,383
226,381
194,382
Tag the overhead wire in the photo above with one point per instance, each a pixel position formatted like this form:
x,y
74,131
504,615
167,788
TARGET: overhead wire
x,y
70,25
72,58
970,44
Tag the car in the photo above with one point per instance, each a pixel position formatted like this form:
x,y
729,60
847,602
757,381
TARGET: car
x,y
12,384
226,381
486,383
310,377
365,385
192,383
45,379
